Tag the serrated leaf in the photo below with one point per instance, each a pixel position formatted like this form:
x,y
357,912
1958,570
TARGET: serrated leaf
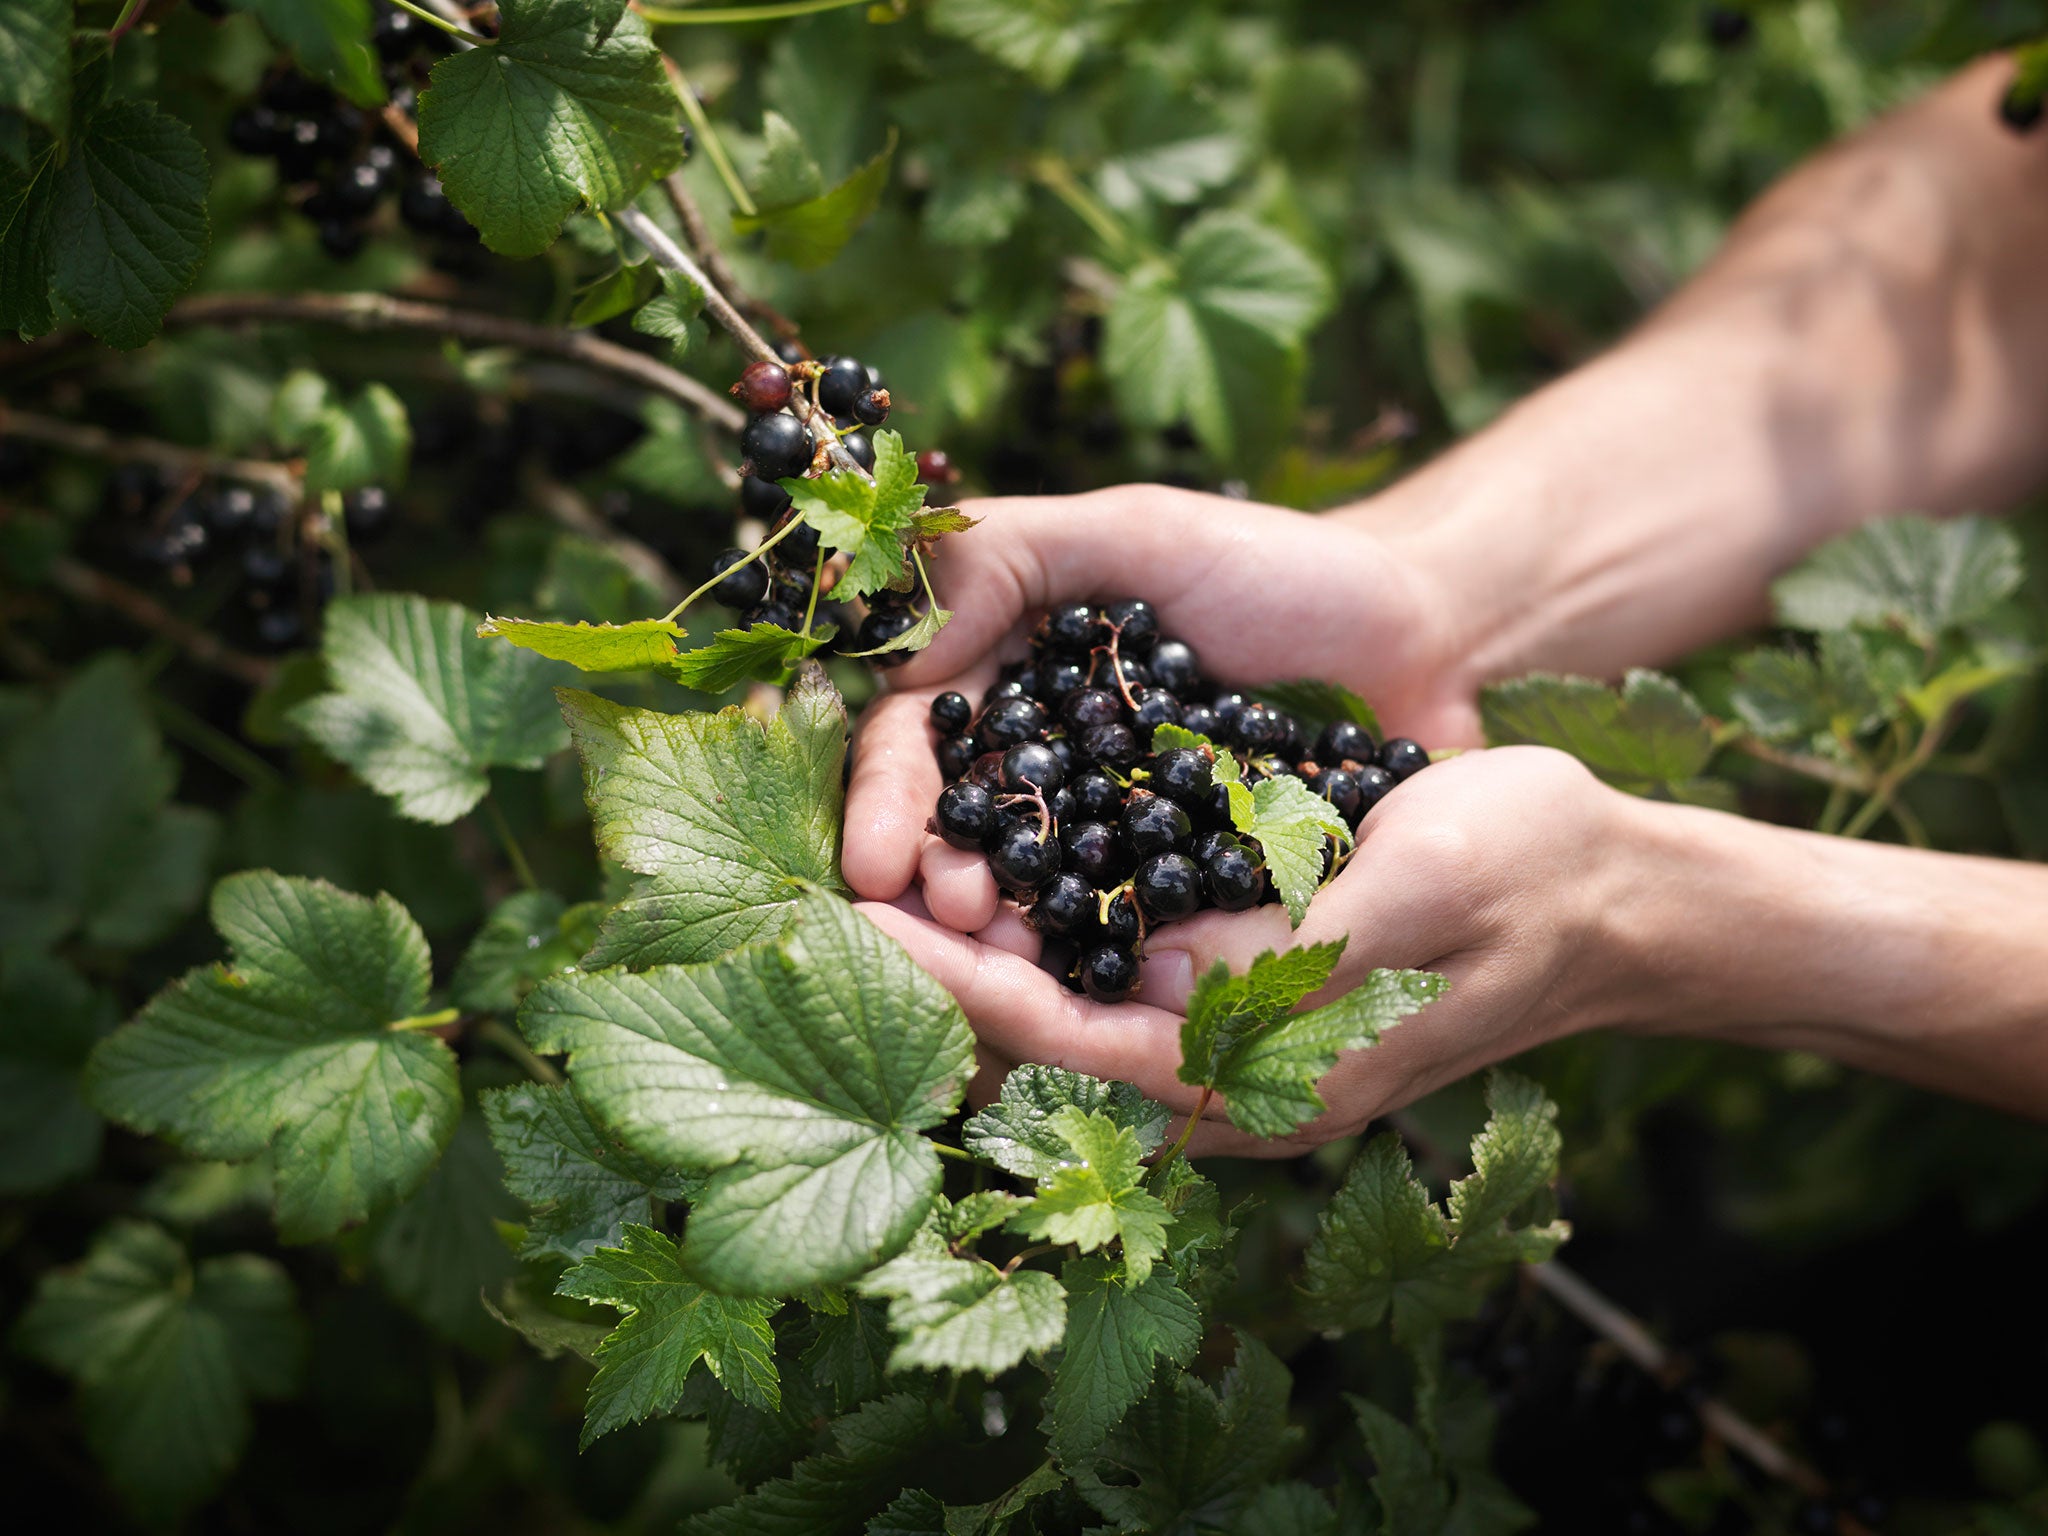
x,y
875,1449
671,315
1170,145
1649,738
89,843
289,1046
788,175
810,233
167,1357
529,935
35,61
567,109
611,295
964,1220
1287,1509
731,819
27,197
850,1354
1224,1008
50,1019
1117,1333
997,1517
1096,1195
937,522
915,638
865,517
298,404
734,656
1017,1132
1413,1495
1289,823
1044,39
1316,702
1926,577
645,645
534,1320
329,38
671,1323
422,709
583,1185
797,1074
363,441
964,1314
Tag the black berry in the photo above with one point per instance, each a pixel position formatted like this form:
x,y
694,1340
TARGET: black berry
x,y
1342,739
1402,758
1009,721
1374,783
1168,887
1340,788
1156,707
1108,974
842,383
935,467
956,756
1233,877
799,546
1068,630
1097,796
1057,679
1120,921
1032,765
777,445
763,387
1111,746
860,448
778,611
1091,850
367,513
739,586
1201,719
1175,667
1135,623
1019,860
1153,824
1087,707
1065,907
966,815
767,500
1184,775
878,629
871,407
951,712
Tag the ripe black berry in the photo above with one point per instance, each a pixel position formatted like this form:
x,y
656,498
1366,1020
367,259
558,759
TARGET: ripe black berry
x,y
1374,784
1153,824
860,448
1201,719
1019,860
777,445
1097,796
1111,746
966,815
1343,739
1340,787
1228,706
956,756
1168,887
341,240
791,352
871,407
1156,707
1402,758
1032,765
1135,674
780,612
1091,850
951,712
1086,707
799,546
879,628
1234,877
1066,907
2018,112
766,500
1057,679
1259,729
741,588
1120,922
1108,974
1135,623
1184,775
1009,721
1068,630
367,513
1007,688
842,383
763,387
264,568
987,771
1175,667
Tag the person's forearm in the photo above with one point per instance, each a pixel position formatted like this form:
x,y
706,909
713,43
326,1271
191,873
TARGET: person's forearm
x,y
1873,339
1928,967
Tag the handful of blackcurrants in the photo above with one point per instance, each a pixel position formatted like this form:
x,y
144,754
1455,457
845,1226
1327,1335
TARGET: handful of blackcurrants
x,y
1103,838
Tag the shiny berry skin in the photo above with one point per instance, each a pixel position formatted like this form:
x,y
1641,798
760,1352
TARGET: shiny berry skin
x,y
1233,877
1018,860
1057,679
1259,728
1152,824
843,382
1175,667
1374,785
1007,688
860,448
1108,974
879,628
792,352
1343,739
1200,719
1032,765
767,501
1168,887
1183,775
1340,787
1061,803
1112,746
951,712
1136,625
871,407
799,546
935,467
1068,630
1009,721
956,756
357,188
1097,796
1402,758
1120,924
776,445
743,588
1136,675
1091,850
1208,844
1086,707
987,771
1024,674
1156,707
1066,907
793,585
778,611
763,387
966,815
1216,807
1228,706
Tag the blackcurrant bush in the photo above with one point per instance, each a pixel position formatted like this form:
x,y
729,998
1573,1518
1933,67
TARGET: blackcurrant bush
x,y
767,500
860,448
778,611
1135,624
1120,921
956,756
1020,860
879,628
1402,758
1068,630
1108,974
1111,746
1065,908
1097,796
1343,739
1374,784
1175,667
1340,787
842,383
1153,824
1156,707
763,387
1091,850
1234,877
1032,765
871,407
739,586
1183,775
777,446
966,815
951,712
1168,887
935,467
1009,721
1086,707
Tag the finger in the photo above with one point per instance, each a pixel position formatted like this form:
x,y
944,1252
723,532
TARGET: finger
x,y
895,783
1008,931
958,887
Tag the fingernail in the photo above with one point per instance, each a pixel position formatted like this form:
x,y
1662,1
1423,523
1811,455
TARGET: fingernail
x,y
1168,978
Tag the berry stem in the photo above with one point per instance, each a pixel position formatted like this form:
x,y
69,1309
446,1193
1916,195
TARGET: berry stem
x,y
777,10
474,39
714,147
1116,665
817,581
1037,798
756,553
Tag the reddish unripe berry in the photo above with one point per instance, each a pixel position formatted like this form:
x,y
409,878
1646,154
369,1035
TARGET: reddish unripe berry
x,y
763,387
935,467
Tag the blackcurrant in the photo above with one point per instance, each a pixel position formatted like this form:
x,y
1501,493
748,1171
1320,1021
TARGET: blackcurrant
x,y
1135,624
860,448
1019,859
743,587
424,206
1024,674
1135,674
1343,739
1108,974
395,34
2020,112
956,756
987,771
792,352
1120,921
1068,630
279,629
1201,719
793,584
1111,746
843,382
1207,845
263,567
340,239
777,611
1233,877
1090,849
1340,787
1156,707
763,387
1293,739
1228,706
767,500
1008,721
879,628
1153,824
799,546
1168,887
367,512
777,446
1374,783
1259,728
1175,667
951,712
1005,688
255,130
1065,907
1183,775
1086,707
357,187
1097,796
1402,758
871,407
1057,679
1032,765
1063,749
965,816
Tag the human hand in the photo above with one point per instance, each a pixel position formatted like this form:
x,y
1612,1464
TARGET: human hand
x,y
1264,595
1501,870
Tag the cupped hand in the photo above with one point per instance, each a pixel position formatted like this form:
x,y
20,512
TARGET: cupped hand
x,y
1264,595
1503,871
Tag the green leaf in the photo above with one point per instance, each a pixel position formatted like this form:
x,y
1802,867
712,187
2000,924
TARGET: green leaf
x,y
1213,337
798,1074
1926,577
329,38
27,197
1318,703
290,1046
788,174
89,844
1224,1008
810,233
35,61
1044,39
670,462
364,441
671,315
1650,738
613,294
671,1323
1096,1196
1287,1509
296,408
1017,1133
583,1185
529,935
49,1022
1413,1495
439,1251
865,517
422,709
1117,1333
963,1220
565,110
1858,681
167,1357
915,638
645,645
1289,821
964,1314
766,651
1170,145
731,820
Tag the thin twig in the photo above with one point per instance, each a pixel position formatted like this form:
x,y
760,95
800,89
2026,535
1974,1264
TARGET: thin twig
x,y
1884,794
209,650
377,311
574,513
98,443
1841,775
697,231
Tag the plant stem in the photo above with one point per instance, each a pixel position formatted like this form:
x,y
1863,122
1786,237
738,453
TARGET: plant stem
x,y
495,814
761,549
508,1040
714,147
698,232
1884,796
954,1152
474,39
427,1020
1058,178
90,586
1188,1130
776,10
215,746
569,508
817,581
98,443
131,13
1841,775
337,539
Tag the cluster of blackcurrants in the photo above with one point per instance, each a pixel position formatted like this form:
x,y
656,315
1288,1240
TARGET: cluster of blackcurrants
x,y
346,162
1057,782
777,587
